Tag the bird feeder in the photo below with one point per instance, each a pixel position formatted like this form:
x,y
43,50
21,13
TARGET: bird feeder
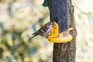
x,y
57,37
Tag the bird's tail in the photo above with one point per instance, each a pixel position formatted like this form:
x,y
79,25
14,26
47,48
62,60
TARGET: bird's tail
x,y
32,37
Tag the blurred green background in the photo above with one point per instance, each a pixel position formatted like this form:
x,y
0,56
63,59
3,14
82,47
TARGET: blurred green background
x,y
20,18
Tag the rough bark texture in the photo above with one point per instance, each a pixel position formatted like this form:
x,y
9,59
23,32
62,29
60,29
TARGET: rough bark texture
x,y
64,10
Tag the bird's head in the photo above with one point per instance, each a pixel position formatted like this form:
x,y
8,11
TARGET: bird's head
x,y
50,24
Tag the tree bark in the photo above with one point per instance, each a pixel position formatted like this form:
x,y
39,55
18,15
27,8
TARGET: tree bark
x,y
64,11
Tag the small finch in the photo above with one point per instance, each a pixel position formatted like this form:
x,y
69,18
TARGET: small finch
x,y
44,31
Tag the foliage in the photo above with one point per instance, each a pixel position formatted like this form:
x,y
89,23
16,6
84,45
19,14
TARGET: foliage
x,y
18,20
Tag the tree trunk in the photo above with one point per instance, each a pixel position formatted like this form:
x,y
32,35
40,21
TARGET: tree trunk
x,y
64,11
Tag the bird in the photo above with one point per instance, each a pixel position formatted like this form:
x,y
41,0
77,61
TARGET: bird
x,y
44,31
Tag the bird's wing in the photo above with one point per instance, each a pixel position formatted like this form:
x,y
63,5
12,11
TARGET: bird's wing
x,y
43,29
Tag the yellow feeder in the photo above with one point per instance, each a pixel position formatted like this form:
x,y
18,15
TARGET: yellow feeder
x,y
57,37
